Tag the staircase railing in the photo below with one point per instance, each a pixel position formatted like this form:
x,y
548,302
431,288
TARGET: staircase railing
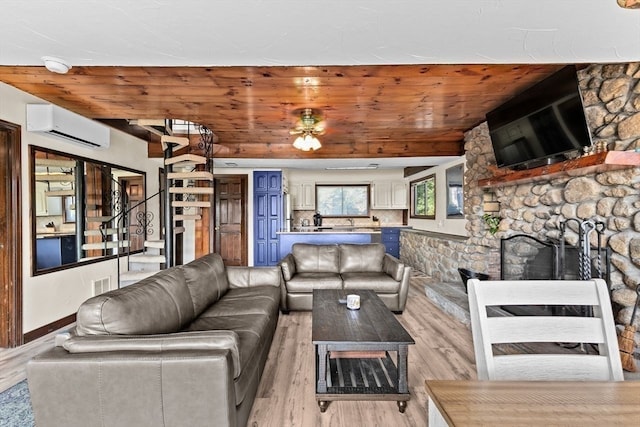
x,y
119,220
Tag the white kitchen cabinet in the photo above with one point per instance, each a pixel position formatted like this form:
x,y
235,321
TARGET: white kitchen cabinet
x,y
399,195
389,195
40,198
303,197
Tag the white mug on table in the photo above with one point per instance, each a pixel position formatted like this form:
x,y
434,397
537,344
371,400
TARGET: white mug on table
x,y
353,302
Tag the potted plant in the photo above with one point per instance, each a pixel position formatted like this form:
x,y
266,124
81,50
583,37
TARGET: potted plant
x,y
492,221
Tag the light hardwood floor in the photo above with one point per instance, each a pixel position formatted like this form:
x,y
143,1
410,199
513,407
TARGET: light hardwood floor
x,y
286,396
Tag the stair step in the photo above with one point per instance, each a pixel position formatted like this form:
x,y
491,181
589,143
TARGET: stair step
x,y
106,231
191,190
186,160
187,204
98,218
147,259
58,177
159,244
57,163
156,126
191,175
135,276
103,245
59,193
180,141
187,217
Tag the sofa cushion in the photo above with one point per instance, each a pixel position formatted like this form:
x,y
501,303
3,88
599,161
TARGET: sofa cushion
x,y
356,258
159,304
316,258
207,281
240,301
307,282
245,277
255,331
381,283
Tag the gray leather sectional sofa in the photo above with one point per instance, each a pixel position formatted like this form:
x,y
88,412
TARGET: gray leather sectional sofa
x,y
343,266
185,347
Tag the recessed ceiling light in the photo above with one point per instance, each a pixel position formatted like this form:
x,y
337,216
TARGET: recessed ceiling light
x,y
56,65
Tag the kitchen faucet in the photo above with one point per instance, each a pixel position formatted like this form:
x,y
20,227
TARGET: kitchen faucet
x,y
350,221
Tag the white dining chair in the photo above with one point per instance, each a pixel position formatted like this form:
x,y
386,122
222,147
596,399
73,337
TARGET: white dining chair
x,y
491,330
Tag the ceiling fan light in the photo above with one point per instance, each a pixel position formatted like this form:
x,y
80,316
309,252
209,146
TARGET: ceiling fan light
x,y
315,143
299,143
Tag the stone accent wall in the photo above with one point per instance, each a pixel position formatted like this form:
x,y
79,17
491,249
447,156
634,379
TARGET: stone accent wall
x,y
611,96
436,255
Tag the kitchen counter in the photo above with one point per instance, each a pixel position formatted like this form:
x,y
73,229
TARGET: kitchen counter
x,y
335,234
324,237
332,231
342,229
47,234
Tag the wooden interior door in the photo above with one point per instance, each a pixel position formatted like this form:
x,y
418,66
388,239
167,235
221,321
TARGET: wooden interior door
x,y
134,187
10,237
230,234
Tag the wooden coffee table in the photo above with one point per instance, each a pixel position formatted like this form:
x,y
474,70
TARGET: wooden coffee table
x,y
353,360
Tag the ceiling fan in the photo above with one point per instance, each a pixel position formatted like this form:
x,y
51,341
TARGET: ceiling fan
x,y
310,122
308,126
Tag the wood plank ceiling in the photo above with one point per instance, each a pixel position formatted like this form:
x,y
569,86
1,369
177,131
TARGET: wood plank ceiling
x,y
369,111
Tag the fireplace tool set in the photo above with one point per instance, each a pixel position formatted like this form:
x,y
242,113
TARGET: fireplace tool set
x,y
585,264
585,229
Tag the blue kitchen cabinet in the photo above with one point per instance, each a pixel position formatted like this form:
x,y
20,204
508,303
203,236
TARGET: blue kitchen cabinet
x,y
54,251
390,237
267,208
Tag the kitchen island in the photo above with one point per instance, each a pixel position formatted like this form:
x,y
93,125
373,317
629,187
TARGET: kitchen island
x,y
327,235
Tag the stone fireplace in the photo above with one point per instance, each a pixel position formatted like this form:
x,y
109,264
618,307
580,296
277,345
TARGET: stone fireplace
x,y
611,95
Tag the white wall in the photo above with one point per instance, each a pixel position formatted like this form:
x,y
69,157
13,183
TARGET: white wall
x,y
441,224
52,296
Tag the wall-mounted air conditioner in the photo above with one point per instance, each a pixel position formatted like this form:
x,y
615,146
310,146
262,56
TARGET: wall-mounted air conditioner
x,y
60,123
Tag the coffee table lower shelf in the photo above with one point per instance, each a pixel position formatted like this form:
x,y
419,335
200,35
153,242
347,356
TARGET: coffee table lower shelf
x,y
355,378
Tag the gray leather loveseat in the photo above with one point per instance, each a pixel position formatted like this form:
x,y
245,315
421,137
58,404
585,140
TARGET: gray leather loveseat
x,y
185,347
343,266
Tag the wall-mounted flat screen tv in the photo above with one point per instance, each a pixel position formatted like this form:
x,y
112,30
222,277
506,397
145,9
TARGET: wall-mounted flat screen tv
x,y
541,124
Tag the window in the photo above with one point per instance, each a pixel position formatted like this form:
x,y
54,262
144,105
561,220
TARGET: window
x,y
455,192
423,198
342,200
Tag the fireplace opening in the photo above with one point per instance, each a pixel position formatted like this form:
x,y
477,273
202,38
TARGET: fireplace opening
x,y
523,257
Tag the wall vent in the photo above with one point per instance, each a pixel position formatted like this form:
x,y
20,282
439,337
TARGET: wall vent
x,y
101,286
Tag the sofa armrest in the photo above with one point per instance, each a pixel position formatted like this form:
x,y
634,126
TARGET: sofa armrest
x,y
393,267
120,388
187,341
243,277
404,286
288,266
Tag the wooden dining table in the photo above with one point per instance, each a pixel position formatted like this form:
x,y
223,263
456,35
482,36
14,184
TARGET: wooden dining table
x,y
533,403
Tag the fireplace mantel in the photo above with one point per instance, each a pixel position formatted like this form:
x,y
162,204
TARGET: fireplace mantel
x,y
594,163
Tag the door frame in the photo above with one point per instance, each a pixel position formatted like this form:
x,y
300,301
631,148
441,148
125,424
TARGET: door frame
x,y
244,180
11,334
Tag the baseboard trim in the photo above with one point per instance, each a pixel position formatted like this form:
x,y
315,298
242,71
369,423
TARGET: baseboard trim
x,y
46,329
